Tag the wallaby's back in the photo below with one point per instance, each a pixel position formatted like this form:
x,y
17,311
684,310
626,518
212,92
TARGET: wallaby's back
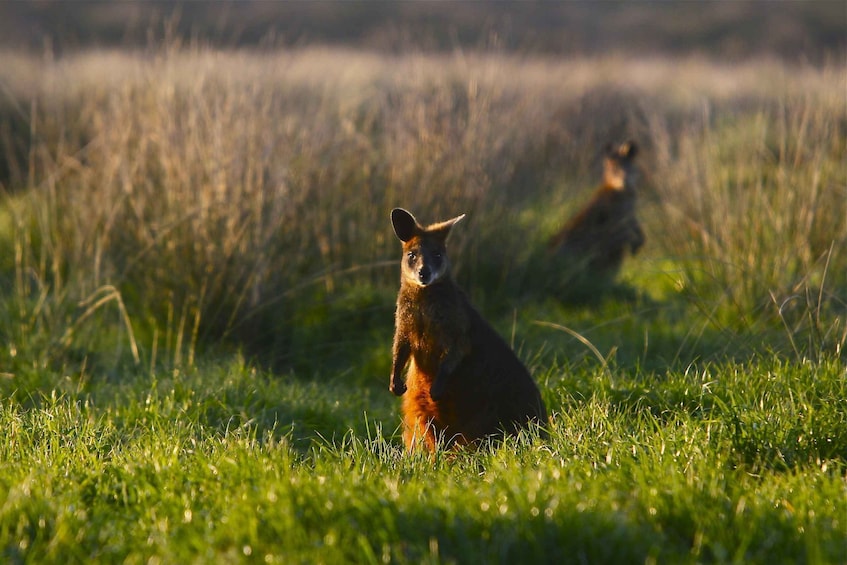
x,y
464,382
597,237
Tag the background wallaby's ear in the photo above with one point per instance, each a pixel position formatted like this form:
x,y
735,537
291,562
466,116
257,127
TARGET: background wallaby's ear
x,y
443,228
629,149
405,225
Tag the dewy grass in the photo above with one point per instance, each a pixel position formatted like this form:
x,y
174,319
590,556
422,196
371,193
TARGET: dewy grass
x,y
723,463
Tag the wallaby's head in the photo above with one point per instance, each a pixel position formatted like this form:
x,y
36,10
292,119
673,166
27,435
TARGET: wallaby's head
x,y
424,248
619,170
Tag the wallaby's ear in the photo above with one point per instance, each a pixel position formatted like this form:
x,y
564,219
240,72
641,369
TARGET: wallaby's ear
x,y
629,149
405,225
443,228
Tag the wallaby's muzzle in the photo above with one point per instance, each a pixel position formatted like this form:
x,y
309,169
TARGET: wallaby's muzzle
x,y
425,276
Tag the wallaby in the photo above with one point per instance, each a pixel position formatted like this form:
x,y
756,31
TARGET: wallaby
x,y
596,238
464,382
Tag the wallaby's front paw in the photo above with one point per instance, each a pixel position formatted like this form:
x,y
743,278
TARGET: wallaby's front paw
x,y
397,387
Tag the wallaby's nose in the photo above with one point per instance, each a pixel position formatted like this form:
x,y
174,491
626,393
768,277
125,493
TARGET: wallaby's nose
x,y
423,274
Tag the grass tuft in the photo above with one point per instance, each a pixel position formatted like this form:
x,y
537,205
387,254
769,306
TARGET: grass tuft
x,y
196,307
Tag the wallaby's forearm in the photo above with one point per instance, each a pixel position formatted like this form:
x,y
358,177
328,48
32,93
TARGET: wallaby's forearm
x,y
402,351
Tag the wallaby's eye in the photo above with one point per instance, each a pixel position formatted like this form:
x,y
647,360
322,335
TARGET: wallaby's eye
x,y
412,256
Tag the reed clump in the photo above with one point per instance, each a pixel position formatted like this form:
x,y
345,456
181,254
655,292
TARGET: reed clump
x,y
224,194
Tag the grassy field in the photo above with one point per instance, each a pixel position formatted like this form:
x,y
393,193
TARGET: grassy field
x,y
197,285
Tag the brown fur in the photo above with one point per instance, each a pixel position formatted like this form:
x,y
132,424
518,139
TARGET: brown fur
x,y
464,383
597,237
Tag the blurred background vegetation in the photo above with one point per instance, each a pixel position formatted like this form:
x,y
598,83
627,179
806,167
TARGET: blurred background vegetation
x,y
206,175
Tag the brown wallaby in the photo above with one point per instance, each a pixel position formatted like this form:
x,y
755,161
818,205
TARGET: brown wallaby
x,y
597,237
464,382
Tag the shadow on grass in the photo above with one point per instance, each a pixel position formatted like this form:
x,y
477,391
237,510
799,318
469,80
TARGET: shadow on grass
x,y
418,532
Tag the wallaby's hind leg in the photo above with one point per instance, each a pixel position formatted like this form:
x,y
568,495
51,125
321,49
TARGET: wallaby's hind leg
x,y
418,432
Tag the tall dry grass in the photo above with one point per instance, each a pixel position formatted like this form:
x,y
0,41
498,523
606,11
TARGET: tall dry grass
x,y
226,194
756,198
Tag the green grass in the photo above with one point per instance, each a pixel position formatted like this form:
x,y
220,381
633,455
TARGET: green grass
x,y
732,462
197,288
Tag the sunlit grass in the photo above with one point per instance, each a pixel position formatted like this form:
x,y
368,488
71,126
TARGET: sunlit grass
x,y
197,302
724,462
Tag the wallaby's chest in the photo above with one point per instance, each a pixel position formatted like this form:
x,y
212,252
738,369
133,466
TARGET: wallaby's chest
x,y
431,319
616,202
